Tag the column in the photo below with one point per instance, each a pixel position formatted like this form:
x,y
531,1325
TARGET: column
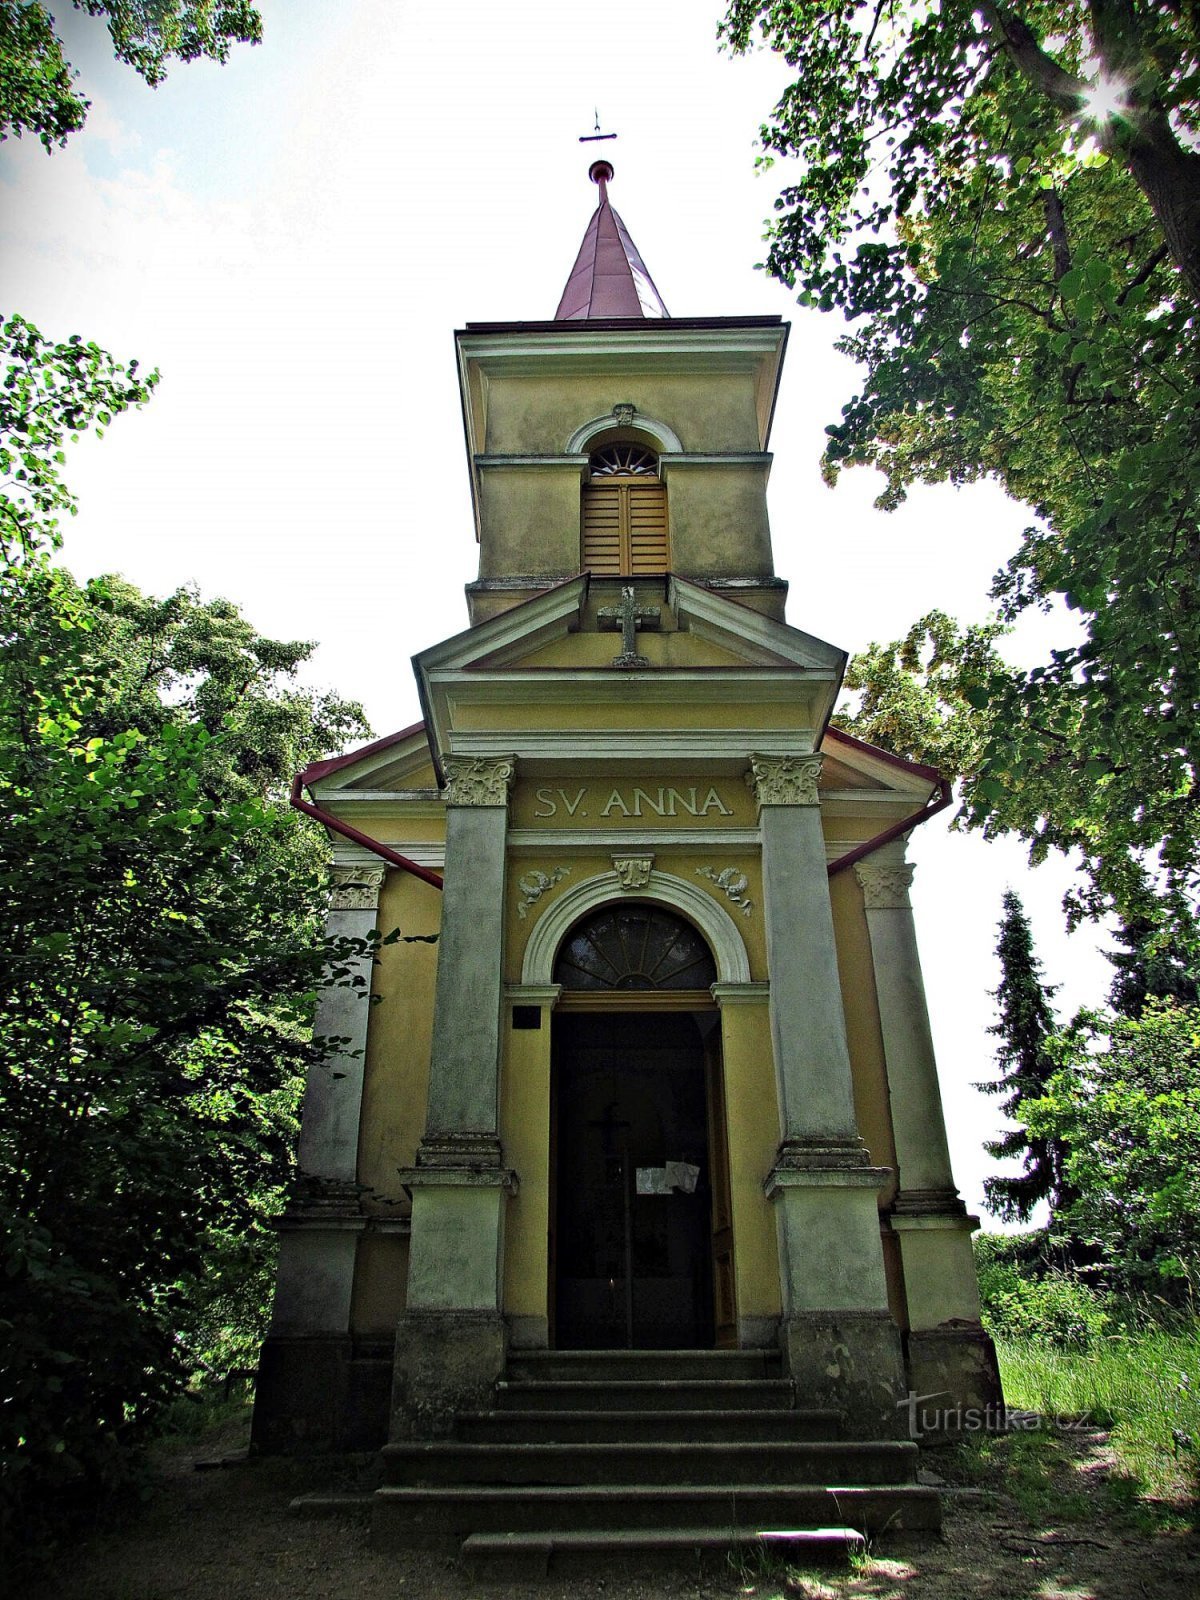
x,y
842,1345
304,1397
950,1355
450,1344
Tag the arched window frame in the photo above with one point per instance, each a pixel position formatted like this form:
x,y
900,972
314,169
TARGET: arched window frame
x,y
623,516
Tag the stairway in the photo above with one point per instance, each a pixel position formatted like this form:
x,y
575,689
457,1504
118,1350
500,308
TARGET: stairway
x,y
643,1453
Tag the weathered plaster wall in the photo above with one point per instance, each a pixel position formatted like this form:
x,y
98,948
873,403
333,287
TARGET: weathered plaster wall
x,y
535,414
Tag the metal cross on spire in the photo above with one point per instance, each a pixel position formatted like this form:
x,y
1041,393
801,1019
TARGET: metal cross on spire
x,y
596,136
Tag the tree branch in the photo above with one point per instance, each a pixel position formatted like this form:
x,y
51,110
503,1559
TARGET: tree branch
x,y
1020,43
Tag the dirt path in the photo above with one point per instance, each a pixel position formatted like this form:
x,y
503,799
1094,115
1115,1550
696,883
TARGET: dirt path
x,y
1039,1523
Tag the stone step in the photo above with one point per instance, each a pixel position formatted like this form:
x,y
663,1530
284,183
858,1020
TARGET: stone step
x,y
515,1556
442,1518
617,1427
662,1394
772,1462
545,1366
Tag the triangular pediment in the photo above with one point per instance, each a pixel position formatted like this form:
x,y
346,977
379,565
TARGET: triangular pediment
x,y
852,767
552,679
398,762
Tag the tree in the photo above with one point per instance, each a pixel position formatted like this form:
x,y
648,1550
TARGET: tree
x,y
38,91
1005,203
1153,964
161,907
1025,1029
1125,1109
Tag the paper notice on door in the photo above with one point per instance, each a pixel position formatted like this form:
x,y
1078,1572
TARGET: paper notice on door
x,y
652,1180
681,1175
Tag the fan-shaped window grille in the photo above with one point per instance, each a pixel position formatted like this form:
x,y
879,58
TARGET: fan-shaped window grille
x,y
624,513
623,461
632,946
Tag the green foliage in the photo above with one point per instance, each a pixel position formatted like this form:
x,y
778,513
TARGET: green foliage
x,y
38,92
1144,1385
1055,1307
1025,1028
161,906
1154,964
52,391
1125,1107
1022,274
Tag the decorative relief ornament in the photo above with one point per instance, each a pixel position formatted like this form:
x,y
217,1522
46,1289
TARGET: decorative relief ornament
x,y
785,780
633,872
533,886
355,888
478,780
885,886
733,885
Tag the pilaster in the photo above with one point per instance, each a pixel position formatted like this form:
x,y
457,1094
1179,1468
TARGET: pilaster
x,y
450,1343
320,1229
842,1346
309,1394
949,1353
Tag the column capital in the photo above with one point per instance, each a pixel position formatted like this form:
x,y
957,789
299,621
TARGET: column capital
x,y
885,884
478,780
784,780
355,888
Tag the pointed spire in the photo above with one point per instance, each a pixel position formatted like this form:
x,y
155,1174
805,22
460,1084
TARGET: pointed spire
x,y
609,278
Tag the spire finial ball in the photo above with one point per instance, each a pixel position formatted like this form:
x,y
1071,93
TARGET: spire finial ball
x,y
600,172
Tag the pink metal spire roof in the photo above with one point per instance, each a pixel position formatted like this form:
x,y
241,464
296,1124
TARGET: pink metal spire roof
x,y
609,278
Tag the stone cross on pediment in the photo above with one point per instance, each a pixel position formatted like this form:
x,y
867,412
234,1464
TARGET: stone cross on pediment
x,y
628,617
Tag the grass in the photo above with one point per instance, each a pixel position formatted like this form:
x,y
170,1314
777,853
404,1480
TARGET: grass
x,y
1143,1386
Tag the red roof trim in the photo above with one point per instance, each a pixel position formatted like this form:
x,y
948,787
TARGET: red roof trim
x,y
317,770
918,767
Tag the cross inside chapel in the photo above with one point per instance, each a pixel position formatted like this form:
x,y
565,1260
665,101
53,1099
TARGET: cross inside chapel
x,y
629,617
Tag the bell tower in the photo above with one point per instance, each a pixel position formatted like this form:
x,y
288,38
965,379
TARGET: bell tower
x,y
618,440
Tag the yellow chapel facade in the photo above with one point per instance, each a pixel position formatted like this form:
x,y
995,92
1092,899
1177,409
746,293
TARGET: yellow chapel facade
x,y
651,1067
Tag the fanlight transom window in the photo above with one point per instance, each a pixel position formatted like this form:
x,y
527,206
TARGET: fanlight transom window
x,y
623,461
633,946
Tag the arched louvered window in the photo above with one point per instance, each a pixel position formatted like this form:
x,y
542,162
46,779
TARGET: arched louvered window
x,y
624,513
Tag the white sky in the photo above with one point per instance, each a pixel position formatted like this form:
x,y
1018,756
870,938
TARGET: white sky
x,y
292,239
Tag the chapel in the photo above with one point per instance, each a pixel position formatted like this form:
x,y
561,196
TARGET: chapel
x,y
638,1144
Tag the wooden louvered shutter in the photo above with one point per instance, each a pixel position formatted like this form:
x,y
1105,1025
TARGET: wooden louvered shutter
x,y
625,528
602,529
647,506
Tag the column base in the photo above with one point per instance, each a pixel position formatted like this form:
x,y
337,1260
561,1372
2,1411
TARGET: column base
x,y
314,1396
955,1381
446,1362
852,1360
460,1151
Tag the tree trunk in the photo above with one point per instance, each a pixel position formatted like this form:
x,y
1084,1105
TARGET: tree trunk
x,y
1169,177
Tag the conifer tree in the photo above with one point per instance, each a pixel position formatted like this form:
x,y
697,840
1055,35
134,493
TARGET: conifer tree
x,y
1025,1028
1154,965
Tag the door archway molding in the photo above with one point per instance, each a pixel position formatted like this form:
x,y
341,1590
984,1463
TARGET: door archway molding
x,y
715,923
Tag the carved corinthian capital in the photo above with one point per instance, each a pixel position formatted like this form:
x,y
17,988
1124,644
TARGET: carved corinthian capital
x,y
355,888
785,780
885,886
478,780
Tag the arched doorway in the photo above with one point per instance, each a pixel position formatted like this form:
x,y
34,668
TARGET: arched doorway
x,y
641,1250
